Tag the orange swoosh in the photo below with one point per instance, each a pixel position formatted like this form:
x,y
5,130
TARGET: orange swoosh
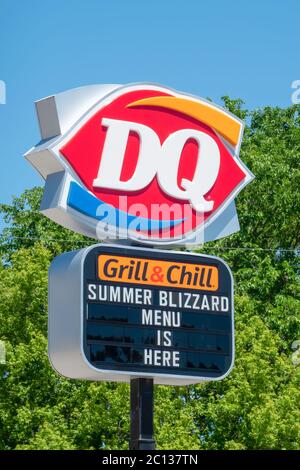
x,y
226,125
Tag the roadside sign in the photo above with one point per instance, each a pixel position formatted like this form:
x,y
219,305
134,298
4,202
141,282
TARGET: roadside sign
x,y
116,313
141,162
141,165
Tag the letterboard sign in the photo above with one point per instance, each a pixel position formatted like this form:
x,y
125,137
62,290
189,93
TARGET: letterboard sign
x,y
119,312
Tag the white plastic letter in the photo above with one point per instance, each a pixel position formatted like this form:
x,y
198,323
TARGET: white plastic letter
x,y
110,167
206,172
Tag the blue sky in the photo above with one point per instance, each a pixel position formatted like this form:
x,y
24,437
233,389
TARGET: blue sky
x,y
243,49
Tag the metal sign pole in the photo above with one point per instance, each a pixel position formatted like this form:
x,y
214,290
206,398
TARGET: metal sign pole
x,y
141,414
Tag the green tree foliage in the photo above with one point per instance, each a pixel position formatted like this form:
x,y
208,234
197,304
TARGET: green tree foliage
x,y
256,407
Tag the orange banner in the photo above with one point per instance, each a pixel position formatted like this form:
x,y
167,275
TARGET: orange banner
x,y
145,271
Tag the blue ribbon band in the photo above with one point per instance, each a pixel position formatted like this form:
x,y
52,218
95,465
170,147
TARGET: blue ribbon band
x,y
86,203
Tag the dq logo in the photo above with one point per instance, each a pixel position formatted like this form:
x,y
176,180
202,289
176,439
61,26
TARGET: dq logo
x,y
141,162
